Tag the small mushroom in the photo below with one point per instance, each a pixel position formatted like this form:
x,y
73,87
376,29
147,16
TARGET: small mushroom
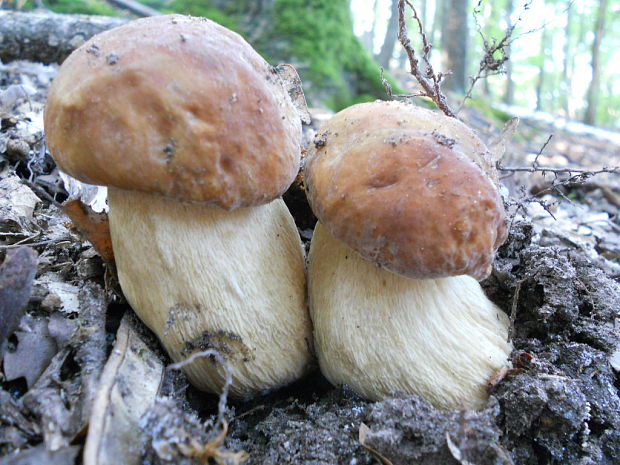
x,y
196,138
409,219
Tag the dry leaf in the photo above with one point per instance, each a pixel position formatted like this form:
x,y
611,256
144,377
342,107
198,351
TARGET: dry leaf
x,y
35,349
93,226
292,83
16,275
497,146
128,386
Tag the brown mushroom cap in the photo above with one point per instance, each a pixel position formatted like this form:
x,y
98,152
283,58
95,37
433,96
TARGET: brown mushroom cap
x,y
408,188
177,106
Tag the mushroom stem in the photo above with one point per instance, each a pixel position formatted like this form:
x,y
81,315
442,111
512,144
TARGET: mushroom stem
x,y
205,278
381,333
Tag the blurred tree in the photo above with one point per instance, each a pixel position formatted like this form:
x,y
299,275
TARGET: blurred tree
x,y
509,89
454,40
369,36
391,34
568,63
542,58
594,89
316,36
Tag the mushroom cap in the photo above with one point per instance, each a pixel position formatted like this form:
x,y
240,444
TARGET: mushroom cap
x,y
407,188
177,106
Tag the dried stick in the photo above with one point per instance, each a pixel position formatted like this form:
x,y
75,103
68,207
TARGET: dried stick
x,y
429,80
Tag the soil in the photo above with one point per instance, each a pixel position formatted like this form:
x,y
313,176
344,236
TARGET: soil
x,y
556,276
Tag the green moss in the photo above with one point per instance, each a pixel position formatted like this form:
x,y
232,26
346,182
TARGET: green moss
x,y
87,7
202,8
338,69
489,110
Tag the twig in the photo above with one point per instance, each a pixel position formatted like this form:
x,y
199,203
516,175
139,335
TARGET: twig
x,y
22,242
221,406
513,310
490,64
429,80
91,346
211,450
41,192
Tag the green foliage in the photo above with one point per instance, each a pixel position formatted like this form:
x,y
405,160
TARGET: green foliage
x,y
489,110
202,8
85,7
327,52
88,7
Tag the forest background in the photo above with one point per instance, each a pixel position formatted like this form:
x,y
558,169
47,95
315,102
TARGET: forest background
x,y
561,56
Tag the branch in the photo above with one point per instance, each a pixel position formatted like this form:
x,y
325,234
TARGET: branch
x,y
47,37
429,80
562,177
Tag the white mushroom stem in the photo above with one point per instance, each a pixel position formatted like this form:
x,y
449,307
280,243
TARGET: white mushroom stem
x,y
383,334
204,278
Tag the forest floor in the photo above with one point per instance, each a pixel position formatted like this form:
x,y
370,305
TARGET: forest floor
x,y
83,381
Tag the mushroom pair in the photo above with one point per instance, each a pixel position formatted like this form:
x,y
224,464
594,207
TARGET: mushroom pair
x,y
196,138
409,219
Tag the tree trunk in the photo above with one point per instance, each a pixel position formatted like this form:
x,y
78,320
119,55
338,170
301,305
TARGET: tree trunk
x,y
391,34
567,64
47,37
454,37
368,37
317,38
541,69
509,90
593,91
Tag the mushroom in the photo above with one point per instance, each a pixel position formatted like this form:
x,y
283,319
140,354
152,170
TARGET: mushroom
x,y
196,138
409,219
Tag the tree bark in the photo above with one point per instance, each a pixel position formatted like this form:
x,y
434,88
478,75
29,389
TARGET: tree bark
x,y
593,91
541,70
47,37
509,90
387,49
567,64
454,37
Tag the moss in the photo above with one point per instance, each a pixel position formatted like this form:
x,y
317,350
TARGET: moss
x,y
330,58
489,110
194,8
87,7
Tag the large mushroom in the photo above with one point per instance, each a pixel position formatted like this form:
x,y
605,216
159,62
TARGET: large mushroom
x,y
409,219
195,136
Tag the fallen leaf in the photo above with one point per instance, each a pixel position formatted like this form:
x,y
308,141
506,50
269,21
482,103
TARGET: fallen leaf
x,y
292,83
16,275
128,386
39,455
35,349
92,225
17,204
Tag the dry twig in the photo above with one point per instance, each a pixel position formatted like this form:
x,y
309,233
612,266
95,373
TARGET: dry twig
x,y
212,449
429,80
562,178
